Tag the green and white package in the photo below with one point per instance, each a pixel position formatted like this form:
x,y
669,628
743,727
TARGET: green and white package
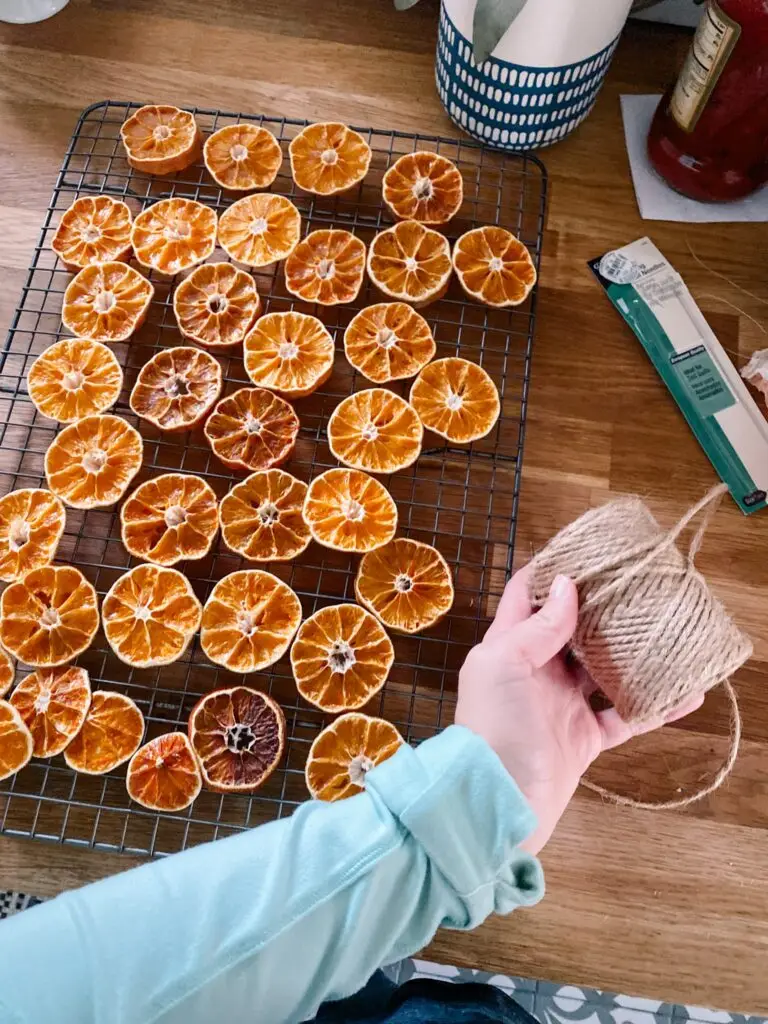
x,y
653,299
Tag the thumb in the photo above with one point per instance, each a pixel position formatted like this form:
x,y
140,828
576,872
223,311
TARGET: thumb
x,y
537,640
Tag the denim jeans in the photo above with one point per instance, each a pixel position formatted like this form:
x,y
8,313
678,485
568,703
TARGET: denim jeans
x,y
424,1001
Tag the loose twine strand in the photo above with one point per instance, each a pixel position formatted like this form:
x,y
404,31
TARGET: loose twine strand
x,y
645,617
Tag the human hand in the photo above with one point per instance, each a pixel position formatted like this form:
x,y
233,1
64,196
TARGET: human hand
x,y
519,692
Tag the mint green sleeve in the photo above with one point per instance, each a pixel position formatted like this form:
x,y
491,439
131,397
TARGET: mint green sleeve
x,y
265,926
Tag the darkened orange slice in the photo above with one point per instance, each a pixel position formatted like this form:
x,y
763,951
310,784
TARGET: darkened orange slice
x,y
456,399
164,775
348,510
111,734
375,430
216,305
173,235
410,261
328,157
290,353
177,388
238,735
423,186
345,751
261,518
53,704
91,463
260,229
95,229
49,617
31,524
150,614
170,518
341,657
74,378
7,672
494,266
326,267
388,341
252,429
241,157
406,584
161,139
106,302
249,620
15,741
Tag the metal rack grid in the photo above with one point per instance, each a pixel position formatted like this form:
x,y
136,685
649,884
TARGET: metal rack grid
x,y
463,500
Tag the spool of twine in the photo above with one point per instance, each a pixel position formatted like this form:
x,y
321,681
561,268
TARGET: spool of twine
x,y
650,632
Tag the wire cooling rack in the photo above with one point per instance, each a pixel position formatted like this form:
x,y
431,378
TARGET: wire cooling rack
x,y
461,499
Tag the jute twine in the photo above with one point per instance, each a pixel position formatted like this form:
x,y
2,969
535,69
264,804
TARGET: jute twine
x,y
650,632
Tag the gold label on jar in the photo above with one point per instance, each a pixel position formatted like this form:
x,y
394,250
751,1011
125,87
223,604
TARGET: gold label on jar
x,y
715,38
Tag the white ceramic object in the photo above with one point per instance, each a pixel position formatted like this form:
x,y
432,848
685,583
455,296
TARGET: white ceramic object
x,y
24,12
541,80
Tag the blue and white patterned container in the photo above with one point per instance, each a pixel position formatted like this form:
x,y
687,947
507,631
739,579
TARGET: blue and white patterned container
x,y
542,79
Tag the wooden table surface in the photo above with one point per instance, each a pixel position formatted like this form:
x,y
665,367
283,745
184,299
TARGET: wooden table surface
x,y
673,905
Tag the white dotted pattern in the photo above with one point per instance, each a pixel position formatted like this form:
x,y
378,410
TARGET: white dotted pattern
x,y
557,99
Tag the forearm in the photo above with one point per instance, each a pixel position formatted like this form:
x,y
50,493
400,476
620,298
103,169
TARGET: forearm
x,y
269,924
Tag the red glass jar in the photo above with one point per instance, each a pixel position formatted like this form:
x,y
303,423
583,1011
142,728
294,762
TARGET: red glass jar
x,y
709,136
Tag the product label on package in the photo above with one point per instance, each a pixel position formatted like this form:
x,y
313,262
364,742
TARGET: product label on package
x,y
697,372
715,38
653,300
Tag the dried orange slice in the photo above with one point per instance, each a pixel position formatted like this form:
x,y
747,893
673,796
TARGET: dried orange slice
x,y
95,229
150,614
49,617
410,261
252,429
375,430
161,139
328,157
73,378
15,741
260,229
494,266
91,462
388,341
164,775
174,235
177,388
31,524
406,584
456,399
261,518
345,751
216,305
290,353
170,518
7,672
106,302
423,186
238,735
53,704
249,620
349,511
341,657
326,267
111,734
242,156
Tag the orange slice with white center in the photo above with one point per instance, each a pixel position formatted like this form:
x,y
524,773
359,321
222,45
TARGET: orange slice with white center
x,y
326,267
31,524
106,302
375,430
161,139
91,463
74,378
216,305
259,230
494,266
240,157
423,186
95,229
328,157
290,353
388,341
456,399
411,262
348,510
